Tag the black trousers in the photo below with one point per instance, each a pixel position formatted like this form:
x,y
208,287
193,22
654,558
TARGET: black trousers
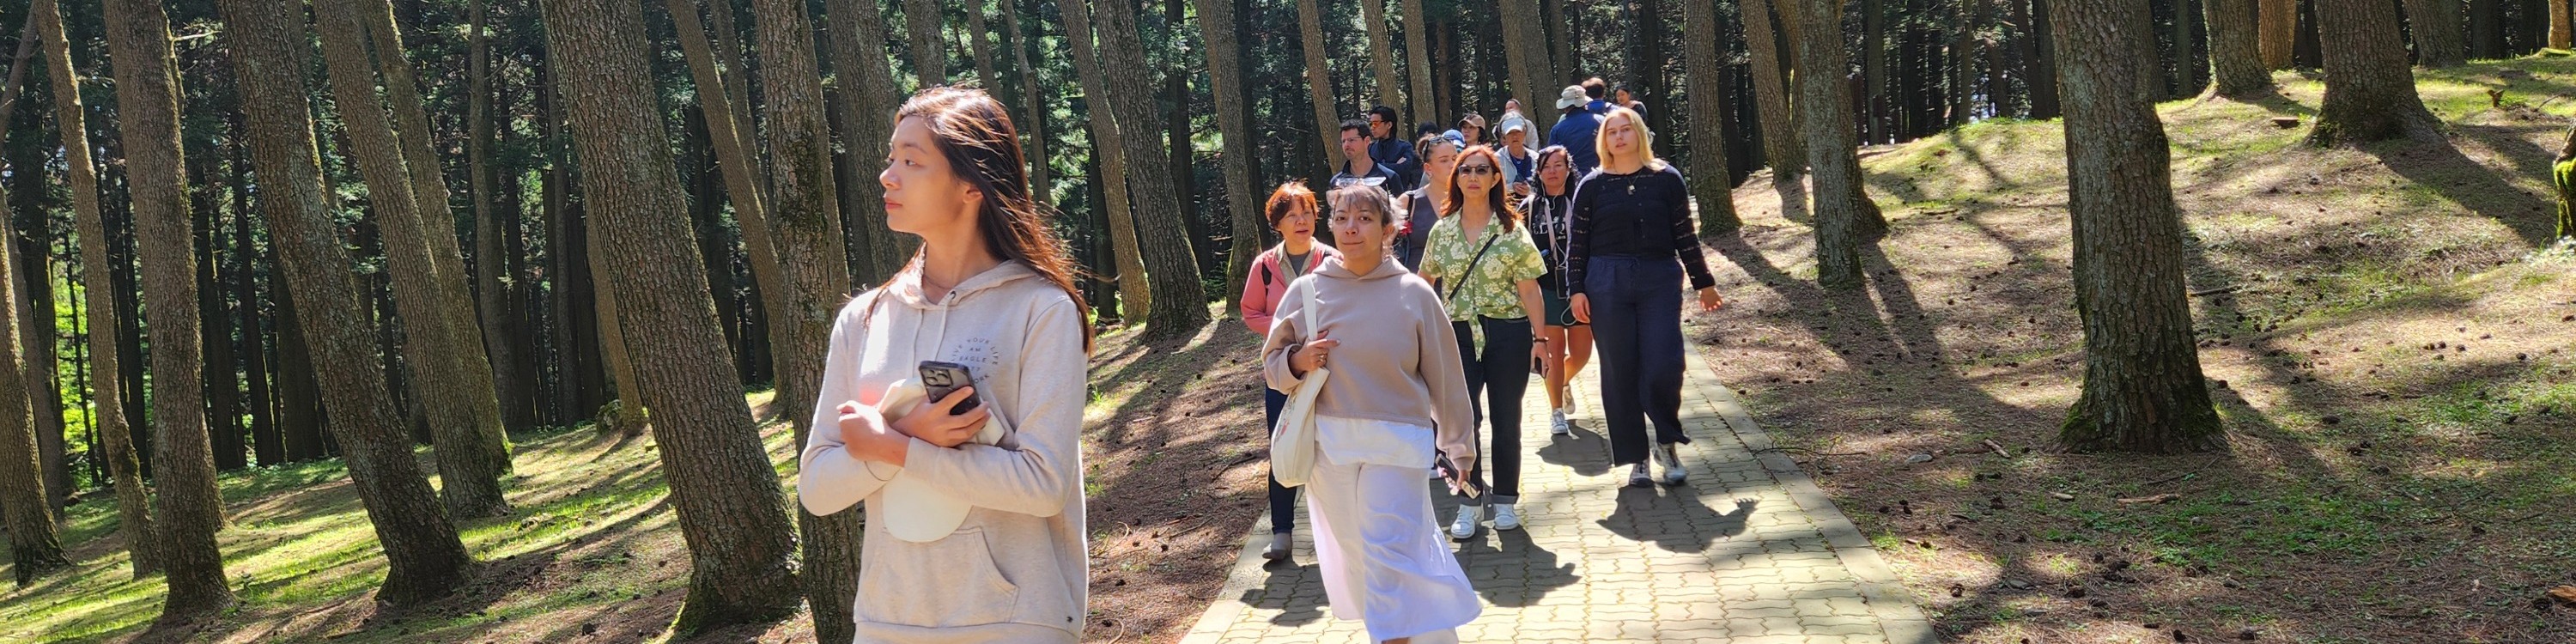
x,y
1496,379
1637,323
1283,499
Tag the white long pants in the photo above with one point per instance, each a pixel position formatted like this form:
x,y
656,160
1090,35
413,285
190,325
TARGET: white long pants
x,y
1381,553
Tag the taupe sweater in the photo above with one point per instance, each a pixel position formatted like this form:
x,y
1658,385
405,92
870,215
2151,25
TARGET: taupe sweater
x,y
1398,358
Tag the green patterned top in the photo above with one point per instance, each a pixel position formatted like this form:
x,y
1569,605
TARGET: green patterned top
x,y
1493,291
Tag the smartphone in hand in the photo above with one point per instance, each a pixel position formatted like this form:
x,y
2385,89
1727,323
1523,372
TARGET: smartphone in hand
x,y
939,379
1459,482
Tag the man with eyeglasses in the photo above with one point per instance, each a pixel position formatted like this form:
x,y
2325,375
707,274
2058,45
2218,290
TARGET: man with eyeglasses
x,y
1398,154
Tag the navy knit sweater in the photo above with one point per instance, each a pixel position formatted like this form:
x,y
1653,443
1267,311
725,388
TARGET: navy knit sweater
x,y
1643,214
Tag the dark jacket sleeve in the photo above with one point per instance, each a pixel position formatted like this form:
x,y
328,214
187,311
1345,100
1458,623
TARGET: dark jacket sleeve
x,y
1578,237
1686,233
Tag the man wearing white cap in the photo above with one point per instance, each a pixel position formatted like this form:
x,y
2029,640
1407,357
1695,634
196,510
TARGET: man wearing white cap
x,y
1520,164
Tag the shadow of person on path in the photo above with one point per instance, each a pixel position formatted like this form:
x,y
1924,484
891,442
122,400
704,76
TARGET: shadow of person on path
x,y
1524,572
1585,451
1295,590
1665,516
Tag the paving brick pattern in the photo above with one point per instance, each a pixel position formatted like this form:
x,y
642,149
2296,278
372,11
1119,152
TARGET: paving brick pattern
x,y
1749,551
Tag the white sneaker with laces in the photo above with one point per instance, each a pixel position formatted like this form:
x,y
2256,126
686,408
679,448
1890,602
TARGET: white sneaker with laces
x,y
1639,477
1465,526
1556,423
1506,518
1670,457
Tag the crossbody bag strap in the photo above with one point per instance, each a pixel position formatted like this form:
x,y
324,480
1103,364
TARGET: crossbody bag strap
x,y
1490,238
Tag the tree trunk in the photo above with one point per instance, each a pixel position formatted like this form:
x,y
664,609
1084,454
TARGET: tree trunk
x,y
220,369
976,40
804,208
2043,68
1772,93
266,441
1319,81
1824,101
929,57
438,227
427,559
2235,48
2186,76
1224,60
443,385
1526,56
1873,66
33,262
726,122
26,506
1179,300
2563,177
299,398
1032,102
865,94
1712,184
2435,24
2143,390
133,502
1135,293
189,511
2280,32
2370,91
2562,25
495,296
1381,52
627,418
1417,60
731,512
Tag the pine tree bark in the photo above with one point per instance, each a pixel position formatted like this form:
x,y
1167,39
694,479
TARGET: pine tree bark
x,y
2280,32
2235,48
1135,293
2563,177
804,207
1824,102
427,559
1526,56
730,509
266,440
2143,390
438,226
2186,76
1034,108
188,511
2439,39
2370,91
495,295
443,385
866,94
34,284
1873,71
299,396
1781,145
1224,61
2043,68
1712,182
628,417
35,542
107,356
1390,88
220,369
2562,25
929,57
1417,57
1179,303
725,122
977,40
1319,81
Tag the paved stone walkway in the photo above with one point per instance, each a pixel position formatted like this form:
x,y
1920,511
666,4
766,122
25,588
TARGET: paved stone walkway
x,y
1749,551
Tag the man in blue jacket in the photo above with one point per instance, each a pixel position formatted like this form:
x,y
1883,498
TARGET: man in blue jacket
x,y
1581,122
1387,148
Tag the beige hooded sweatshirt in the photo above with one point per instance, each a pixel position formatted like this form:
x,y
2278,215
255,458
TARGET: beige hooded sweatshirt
x,y
1015,570
1398,358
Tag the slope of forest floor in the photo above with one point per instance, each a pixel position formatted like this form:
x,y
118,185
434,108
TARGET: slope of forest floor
x,y
2389,333
592,554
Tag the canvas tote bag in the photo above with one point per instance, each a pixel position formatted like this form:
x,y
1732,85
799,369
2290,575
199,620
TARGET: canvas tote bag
x,y
1292,441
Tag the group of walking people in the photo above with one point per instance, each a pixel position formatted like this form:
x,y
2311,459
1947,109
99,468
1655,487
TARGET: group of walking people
x,y
1455,268
1458,269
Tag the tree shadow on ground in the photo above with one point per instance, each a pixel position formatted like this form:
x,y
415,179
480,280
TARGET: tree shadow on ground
x,y
2442,168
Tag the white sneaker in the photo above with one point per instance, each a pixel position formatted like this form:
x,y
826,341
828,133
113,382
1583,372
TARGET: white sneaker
x,y
1639,477
1669,456
1465,526
1505,518
1556,423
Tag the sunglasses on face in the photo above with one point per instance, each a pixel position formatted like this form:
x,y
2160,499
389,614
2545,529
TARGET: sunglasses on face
x,y
1465,170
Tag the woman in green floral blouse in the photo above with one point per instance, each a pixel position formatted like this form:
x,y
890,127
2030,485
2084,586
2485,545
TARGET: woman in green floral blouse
x,y
1487,270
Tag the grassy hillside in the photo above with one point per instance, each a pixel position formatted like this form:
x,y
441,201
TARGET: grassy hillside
x,y
2389,332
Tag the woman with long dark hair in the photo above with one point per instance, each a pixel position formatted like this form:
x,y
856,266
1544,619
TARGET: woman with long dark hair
x,y
1550,211
1487,271
1395,399
975,518
1632,244
1291,211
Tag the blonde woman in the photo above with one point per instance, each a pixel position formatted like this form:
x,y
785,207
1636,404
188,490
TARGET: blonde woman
x,y
1632,243
1393,398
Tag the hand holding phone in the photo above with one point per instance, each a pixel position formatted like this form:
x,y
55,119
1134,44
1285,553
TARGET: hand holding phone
x,y
939,379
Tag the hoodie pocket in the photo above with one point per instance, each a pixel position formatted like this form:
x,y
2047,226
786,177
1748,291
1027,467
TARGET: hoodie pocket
x,y
947,583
